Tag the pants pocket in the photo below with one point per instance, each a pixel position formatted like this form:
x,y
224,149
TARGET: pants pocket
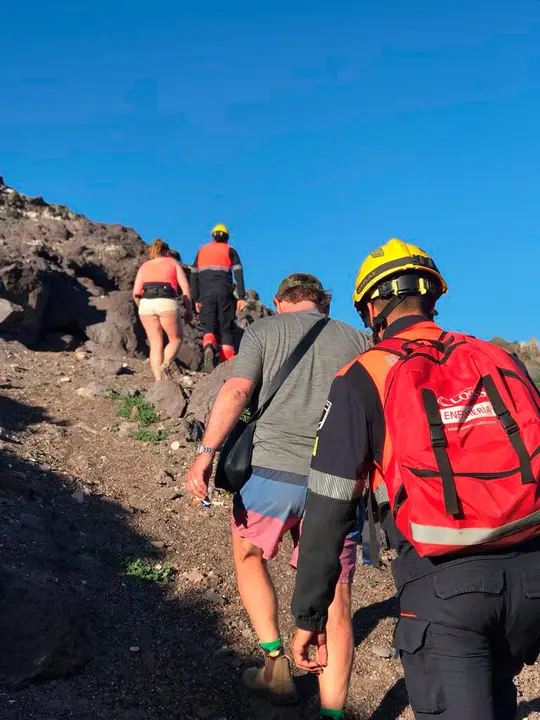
x,y
423,678
531,590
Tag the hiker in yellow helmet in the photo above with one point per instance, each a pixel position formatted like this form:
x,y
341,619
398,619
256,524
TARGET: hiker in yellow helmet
x,y
212,293
393,272
220,233
442,430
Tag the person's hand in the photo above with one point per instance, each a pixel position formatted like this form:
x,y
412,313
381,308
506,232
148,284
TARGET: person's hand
x,y
300,645
198,475
240,305
198,307
188,314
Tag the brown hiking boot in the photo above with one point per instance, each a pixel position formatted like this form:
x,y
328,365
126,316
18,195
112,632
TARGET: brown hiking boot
x,y
273,682
209,359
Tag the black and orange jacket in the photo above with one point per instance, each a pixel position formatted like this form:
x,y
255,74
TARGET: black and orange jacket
x,y
212,271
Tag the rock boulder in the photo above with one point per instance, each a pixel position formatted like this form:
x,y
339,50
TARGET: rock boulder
x,y
206,390
42,631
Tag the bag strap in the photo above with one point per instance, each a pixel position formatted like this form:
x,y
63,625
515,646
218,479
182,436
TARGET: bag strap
x,y
438,440
372,530
511,428
290,363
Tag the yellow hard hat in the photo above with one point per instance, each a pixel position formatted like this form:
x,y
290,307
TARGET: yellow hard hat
x,y
392,260
219,228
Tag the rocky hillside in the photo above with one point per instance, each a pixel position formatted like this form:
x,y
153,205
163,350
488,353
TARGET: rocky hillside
x,y
66,280
528,352
117,593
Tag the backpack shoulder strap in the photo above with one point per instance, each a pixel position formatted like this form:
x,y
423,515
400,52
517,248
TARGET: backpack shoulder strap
x,y
511,428
290,363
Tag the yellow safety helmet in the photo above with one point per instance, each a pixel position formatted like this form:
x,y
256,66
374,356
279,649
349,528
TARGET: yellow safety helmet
x,y
392,260
220,230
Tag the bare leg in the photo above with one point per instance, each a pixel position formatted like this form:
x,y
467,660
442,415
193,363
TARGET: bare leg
x,y
334,680
256,588
153,330
171,325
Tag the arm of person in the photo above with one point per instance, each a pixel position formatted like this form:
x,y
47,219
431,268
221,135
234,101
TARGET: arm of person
x,y
194,280
238,273
183,281
339,468
231,401
138,288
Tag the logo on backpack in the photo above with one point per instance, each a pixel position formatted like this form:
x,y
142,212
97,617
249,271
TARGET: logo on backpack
x,y
466,406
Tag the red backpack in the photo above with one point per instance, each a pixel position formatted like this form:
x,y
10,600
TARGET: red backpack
x,y
462,451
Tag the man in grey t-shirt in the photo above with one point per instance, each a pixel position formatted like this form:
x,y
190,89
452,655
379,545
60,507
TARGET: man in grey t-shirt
x,y
272,501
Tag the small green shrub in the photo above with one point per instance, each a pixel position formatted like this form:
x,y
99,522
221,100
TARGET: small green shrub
x,y
135,408
146,434
145,570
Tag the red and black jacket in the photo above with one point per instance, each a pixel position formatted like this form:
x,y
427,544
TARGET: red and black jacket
x,y
213,269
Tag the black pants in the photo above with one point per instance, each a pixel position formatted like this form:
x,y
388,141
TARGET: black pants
x,y
465,632
218,315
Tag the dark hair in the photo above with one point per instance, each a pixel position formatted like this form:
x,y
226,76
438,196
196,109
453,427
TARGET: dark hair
x,y
305,293
158,248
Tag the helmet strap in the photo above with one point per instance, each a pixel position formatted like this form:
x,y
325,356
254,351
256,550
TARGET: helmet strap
x,y
380,322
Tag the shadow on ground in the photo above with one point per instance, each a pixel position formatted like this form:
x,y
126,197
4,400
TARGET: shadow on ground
x,y
86,639
82,638
366,619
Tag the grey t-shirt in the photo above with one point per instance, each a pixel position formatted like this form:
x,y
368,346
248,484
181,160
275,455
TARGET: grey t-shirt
x,y
285,434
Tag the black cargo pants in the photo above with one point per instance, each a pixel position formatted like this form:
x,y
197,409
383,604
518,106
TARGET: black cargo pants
x,y
218,314
465,632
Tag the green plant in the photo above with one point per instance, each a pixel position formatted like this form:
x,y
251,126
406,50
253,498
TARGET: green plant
x,y
135,408
145,570
146,434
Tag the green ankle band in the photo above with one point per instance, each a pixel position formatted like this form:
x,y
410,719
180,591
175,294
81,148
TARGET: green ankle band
x,y
271,646
326,713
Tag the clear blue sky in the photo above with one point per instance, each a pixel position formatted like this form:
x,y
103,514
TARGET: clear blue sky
x,y
316,130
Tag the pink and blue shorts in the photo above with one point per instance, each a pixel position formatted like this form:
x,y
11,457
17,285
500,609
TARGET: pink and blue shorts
x,y
270,505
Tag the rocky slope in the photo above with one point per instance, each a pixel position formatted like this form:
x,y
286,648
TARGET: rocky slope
x,y
57,266
527,352
65,280
117,594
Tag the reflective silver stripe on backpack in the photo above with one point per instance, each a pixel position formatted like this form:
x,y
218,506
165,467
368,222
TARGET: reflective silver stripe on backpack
x,y
433,535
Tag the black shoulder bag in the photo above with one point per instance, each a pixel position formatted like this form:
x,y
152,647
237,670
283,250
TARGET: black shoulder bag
x,y
234,464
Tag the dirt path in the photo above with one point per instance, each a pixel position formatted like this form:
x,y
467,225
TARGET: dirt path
x,y
173,650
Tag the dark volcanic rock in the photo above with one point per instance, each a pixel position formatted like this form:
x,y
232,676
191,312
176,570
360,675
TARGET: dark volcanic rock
x,y
42,631
10,315
167,397
53,260
206,390
191,355
120,333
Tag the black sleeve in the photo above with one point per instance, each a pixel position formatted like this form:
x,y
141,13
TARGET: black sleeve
x,y
238,273
194,280
340,465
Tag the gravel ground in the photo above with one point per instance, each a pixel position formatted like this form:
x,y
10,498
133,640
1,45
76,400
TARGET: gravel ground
x,y
158,650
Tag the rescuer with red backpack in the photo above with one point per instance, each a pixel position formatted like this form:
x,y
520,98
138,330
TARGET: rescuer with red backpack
x,y
444,430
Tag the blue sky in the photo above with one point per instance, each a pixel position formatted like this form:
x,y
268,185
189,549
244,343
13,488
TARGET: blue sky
x,y
316,130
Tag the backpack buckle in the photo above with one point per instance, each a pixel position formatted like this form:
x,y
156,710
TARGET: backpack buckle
x,y
437,436
509,423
